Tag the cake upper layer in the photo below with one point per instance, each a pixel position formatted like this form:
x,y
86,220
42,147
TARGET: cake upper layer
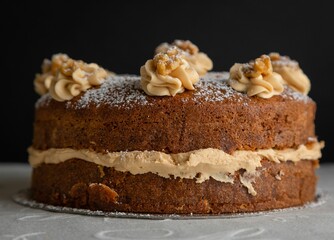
x,y
119,116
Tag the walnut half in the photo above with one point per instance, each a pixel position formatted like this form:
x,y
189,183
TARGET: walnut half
x,y
169,61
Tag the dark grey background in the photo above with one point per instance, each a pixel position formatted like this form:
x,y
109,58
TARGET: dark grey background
x,y
122,36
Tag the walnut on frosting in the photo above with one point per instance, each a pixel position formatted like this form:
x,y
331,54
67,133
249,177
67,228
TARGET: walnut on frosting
x,y
198,60
167,74
256,78
290,71
49,70
66,78
169,61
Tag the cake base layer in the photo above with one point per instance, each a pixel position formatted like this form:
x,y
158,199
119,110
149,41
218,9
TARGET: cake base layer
x,y
80,184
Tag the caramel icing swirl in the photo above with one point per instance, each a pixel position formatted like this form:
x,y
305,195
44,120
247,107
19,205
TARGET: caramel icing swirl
x,y
168,74
66,78
75,77
256,78
290,71
198,60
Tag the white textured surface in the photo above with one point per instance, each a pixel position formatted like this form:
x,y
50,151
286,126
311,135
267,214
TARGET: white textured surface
x,y
24,223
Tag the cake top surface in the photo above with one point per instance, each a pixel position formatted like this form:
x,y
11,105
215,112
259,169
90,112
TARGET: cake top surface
x,y
124,91
177,69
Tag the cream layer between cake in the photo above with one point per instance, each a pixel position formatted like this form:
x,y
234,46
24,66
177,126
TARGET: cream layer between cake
x,y
200,164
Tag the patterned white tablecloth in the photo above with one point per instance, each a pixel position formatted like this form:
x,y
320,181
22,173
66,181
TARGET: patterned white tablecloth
x,y
23,223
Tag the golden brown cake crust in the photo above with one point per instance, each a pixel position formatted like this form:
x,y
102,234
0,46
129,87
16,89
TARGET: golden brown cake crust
x,y
118,116
81,184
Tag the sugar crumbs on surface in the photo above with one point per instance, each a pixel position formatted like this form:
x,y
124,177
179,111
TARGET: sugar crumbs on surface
x,y
43,100
121,90
213,87
289,93
125,91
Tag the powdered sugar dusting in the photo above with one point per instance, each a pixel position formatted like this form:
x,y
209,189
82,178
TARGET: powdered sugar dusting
x,y
121,90
125,91
43,100
292,94
213,87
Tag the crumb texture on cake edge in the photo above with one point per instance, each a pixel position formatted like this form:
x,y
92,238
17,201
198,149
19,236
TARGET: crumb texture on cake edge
x,y
80,184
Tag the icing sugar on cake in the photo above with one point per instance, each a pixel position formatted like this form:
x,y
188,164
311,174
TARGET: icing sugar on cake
x,y
115,91
124,90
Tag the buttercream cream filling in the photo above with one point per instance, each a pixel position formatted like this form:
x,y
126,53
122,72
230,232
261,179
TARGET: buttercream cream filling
x,y
199,164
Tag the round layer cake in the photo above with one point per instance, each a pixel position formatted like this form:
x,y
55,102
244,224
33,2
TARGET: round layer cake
x,y
211,150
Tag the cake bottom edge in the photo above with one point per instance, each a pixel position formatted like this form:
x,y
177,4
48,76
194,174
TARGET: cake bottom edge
x,y
80,184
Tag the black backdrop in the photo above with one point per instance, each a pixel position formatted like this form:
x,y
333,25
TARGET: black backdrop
x,y
121,36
